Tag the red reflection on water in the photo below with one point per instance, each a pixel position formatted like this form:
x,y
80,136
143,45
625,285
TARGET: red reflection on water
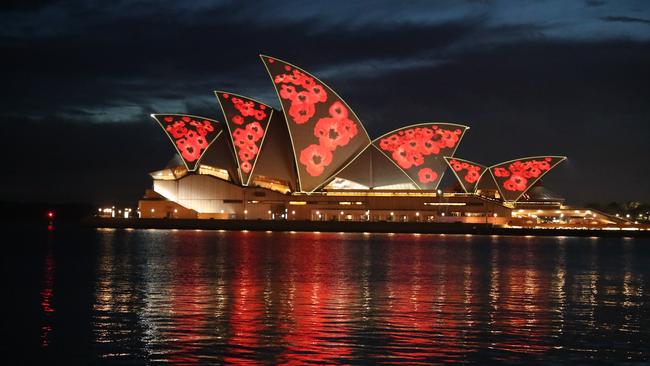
x,y
247,302
46,299
322,298
318,306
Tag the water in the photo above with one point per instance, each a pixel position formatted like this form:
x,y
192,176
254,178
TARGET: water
x,y
206,297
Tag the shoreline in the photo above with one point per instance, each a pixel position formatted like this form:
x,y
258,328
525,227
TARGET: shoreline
x,y
352,227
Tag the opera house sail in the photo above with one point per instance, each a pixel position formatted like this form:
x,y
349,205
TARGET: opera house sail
x,y
325,133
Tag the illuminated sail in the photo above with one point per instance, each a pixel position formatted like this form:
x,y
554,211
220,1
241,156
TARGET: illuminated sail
x,y
325,133
190,135
468,173
419,150
247,121
515,177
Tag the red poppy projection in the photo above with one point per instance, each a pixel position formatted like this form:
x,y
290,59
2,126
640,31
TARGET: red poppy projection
x,y
467,173
515,177
247,121
419,150
191,135
325,132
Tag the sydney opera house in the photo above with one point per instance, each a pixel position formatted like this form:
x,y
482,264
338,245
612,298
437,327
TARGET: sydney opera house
x,y
314,160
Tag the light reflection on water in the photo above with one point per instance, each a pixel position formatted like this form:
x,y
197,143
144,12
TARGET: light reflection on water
x,y
190,297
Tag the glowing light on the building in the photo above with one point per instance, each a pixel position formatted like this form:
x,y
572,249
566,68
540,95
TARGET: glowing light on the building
x,y
247,121
419,150
515,177
466,172
191,135
325,133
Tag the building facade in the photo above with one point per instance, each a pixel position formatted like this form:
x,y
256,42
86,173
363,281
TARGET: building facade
x,y
314,160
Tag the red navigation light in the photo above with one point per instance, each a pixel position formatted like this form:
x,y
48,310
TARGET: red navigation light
x,y
50,214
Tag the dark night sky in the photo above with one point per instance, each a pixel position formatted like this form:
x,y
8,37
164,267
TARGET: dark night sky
x,y
530,77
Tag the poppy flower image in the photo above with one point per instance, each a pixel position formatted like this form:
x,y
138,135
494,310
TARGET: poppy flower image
x,y
338,110
189,150
315,158
238,120
349,127
402,157
416,159
390,143
256,129
409,134
426,175
448,138
544,165
177,130
245,155
307,82
301,112
456,165
509,185
318,93
472,176
413,146
287,91
501,172
259,114
238,133
515,183
251,137
427,147
424,133
331,133
246,108
251,148
246,167
283,78
304,97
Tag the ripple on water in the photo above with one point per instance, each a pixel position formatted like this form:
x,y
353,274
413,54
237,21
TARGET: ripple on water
x,y
187,297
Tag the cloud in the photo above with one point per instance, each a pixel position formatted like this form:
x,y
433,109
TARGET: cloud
x,y
625,19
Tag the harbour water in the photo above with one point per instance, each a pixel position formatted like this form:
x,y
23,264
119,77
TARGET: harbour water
x,y
107,296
